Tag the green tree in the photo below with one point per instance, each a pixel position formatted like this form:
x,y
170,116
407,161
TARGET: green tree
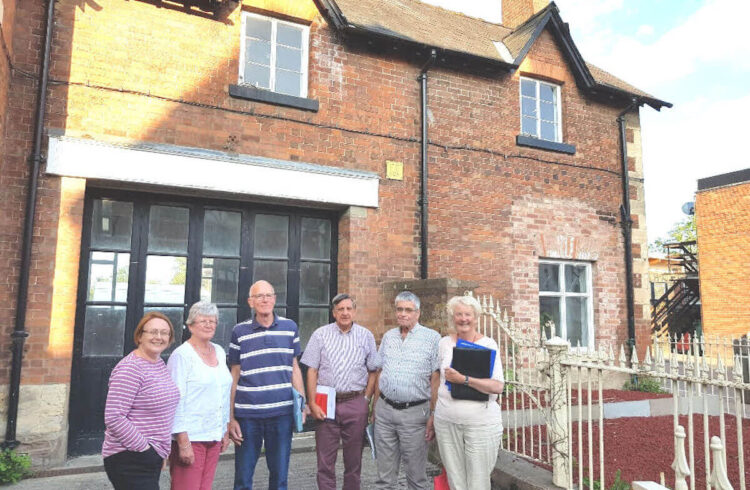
x,y
682,231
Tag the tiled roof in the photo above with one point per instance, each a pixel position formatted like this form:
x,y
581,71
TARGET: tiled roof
x,y
421,23
427,25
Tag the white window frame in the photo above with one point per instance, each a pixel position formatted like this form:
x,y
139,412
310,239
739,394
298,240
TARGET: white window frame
x,y
562,294
274,27
558,108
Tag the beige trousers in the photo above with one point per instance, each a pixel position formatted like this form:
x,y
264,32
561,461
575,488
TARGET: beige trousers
x,y
468,452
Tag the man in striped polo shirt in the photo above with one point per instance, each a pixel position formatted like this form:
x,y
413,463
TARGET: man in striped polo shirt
x,y
263,359
407,387
341,355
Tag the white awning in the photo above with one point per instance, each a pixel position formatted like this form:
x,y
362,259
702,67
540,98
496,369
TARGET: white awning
x,y
194,168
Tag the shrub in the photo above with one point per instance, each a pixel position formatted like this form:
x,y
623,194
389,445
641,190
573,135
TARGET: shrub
x,y
618,484
648,385
13,466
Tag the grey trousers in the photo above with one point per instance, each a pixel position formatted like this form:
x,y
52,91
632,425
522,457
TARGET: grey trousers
x,y
399,436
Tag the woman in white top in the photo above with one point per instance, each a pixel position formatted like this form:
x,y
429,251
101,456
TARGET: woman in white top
x,y
199,369
468,432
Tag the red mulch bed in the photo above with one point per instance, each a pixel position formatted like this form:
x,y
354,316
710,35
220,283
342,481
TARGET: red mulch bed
x,y
643,447
515,401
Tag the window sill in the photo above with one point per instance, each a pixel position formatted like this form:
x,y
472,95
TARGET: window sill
x,y
531,142
253,93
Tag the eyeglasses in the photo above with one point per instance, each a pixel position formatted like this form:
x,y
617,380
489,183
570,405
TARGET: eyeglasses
x,y
400,309
205,322
156,333
263,296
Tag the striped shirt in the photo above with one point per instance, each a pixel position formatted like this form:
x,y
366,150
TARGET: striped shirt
x,y
408,363
265,356
343,360
140,407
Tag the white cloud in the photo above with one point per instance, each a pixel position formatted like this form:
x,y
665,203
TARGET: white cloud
x,y
489,10
715,33
645,31
694,140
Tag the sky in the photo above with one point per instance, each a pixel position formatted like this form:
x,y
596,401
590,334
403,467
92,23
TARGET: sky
x,y
692,53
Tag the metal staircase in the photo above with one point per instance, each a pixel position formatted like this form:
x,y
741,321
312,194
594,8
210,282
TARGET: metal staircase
x,y
676,311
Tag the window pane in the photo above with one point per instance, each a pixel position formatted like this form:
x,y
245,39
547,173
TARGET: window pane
x,y
165,279
104,331
547,110
546,92
528,88
257,75
227,321
258,28
288,82
288,58
576,321
258,52
108,276
280,311
168,229
112,223
309,320
271,236
575,279
221,233
549,131
314,283
219,280
289,36
549,316
316,238
275,273
175,315
548,277
528,106
528,126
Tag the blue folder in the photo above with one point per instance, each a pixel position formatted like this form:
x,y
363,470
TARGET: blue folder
x,y
471,345
299,405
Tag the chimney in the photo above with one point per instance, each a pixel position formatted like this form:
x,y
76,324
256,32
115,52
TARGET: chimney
x,y
516,12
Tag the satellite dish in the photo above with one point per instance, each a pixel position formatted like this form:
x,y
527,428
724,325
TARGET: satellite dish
x,y
689,208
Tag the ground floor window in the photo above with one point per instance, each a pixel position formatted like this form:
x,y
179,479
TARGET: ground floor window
x,y
565,301
142,252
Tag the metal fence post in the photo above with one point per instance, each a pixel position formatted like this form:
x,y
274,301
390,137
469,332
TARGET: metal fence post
x,y
558,412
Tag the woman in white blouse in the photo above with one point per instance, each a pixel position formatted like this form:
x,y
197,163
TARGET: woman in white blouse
x,y
199,369
468,431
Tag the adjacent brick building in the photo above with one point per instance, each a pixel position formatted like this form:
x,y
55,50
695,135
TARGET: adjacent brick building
x,y
722,218
190,152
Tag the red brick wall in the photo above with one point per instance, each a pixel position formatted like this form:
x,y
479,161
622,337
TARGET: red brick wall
x,y
490,203
723,224
516,12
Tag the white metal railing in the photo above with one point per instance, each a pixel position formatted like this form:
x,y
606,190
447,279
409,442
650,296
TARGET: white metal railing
x,y
540,408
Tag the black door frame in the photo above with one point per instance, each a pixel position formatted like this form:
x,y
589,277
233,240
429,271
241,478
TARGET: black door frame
x,y
138,251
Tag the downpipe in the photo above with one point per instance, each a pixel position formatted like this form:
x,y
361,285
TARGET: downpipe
x,y
423,200
19,334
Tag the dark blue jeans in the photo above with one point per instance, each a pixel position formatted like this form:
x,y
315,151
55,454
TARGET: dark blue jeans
x,y
277,434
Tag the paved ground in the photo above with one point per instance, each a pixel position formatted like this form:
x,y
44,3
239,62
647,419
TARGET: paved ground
x,y
301,473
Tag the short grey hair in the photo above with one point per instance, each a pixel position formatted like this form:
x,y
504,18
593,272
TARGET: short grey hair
x,y
407,296
202,308
469,301
341,297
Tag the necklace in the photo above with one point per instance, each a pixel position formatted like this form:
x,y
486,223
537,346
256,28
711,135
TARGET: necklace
x,y
204,353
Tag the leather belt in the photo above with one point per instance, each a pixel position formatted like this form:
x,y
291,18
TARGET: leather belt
x,y
348,395
401,405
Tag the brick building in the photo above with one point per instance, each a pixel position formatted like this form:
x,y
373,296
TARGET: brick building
x,y
187,151
722,208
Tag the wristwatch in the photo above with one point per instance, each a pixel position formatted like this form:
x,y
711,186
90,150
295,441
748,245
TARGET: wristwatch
x,y
466,380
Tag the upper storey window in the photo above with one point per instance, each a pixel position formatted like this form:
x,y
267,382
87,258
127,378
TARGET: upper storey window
x,y
274,55
540,110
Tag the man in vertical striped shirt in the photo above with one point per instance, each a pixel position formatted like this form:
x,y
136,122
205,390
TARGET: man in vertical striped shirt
x,y
407,387
341,355
263,359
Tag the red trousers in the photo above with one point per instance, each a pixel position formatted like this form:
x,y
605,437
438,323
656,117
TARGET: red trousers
x,y
200,474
